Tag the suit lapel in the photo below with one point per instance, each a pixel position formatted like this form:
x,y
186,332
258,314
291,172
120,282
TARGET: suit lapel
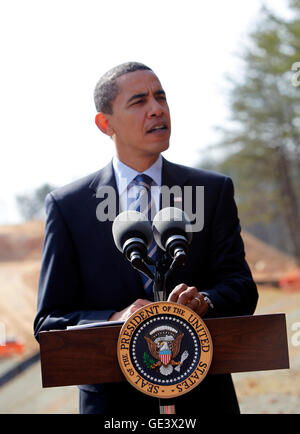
x,y
126,276
174,175
105,177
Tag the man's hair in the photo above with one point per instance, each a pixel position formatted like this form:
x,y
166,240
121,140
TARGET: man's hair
x,y
107,89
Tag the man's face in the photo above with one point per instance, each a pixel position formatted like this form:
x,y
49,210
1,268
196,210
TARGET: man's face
x,y
140,120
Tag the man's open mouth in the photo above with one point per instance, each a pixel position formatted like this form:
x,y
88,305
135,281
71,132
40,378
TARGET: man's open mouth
x,y
157,128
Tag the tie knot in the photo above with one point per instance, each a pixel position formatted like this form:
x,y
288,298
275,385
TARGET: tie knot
x,y
143,180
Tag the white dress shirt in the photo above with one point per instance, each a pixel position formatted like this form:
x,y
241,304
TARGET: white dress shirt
x,y
125,175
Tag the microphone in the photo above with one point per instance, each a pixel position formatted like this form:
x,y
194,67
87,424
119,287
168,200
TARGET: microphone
x,y
132,235
170,227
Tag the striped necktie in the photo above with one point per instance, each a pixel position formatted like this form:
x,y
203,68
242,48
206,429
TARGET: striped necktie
x,y
143,202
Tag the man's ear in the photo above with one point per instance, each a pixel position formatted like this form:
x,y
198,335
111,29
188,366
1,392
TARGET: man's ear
x,y
102,123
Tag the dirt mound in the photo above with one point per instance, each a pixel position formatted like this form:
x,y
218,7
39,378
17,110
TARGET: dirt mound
x,y
20,258
266,262
21,242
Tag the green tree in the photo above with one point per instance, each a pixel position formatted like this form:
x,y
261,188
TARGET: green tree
x,y
262,143
31,205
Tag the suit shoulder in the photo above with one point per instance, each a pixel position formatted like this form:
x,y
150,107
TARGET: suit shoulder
x,y
200,175
210,175
74,188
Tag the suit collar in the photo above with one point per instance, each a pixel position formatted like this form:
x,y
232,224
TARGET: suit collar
x,y
105,176
125,174
172,174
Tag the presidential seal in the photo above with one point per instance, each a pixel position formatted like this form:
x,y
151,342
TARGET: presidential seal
x,y
164,349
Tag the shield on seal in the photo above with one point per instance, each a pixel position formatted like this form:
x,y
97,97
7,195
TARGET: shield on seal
x,y
165,356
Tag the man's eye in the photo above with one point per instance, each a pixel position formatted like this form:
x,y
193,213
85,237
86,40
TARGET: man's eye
x,y
137,102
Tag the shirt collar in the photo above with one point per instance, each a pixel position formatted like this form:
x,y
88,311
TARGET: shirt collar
x,y
125,174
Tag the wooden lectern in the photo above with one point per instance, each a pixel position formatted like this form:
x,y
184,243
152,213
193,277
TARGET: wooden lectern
x,y
88,356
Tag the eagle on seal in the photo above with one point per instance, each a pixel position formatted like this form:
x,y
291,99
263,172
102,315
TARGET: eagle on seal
x,y
165,351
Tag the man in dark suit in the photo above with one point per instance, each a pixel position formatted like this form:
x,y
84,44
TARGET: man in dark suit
x,y
84,278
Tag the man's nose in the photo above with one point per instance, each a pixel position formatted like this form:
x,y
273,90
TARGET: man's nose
x,y
155,108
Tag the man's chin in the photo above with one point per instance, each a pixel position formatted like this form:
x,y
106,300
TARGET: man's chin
x,y
161,147
165,148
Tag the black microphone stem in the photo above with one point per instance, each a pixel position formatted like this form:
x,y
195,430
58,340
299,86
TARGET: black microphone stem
x,y
159,289
160,278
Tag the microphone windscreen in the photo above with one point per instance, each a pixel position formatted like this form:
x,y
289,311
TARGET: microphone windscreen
x,y
131,224
168,222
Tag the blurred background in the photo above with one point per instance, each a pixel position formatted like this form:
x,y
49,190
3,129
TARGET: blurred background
x,y
231,71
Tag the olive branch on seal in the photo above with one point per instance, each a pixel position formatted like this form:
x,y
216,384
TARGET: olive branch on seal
x,y
147,360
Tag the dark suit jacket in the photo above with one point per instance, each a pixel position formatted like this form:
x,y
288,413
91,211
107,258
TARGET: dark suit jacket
x,y
84,278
